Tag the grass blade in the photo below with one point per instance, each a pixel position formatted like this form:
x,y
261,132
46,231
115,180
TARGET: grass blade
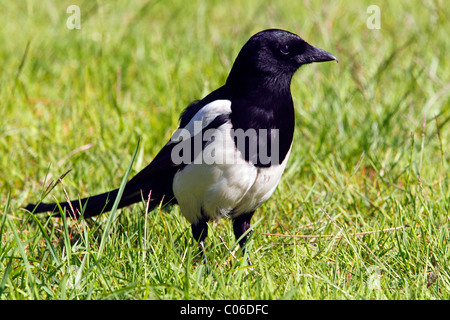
x,y
116,203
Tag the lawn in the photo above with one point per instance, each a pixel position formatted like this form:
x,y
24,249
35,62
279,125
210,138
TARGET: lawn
x,y
362,211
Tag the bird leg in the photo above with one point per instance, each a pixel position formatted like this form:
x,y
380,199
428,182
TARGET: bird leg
x,y
200,232
241,225
201,246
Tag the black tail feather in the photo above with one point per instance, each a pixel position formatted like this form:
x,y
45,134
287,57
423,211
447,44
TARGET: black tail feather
x,y
95,205
157,177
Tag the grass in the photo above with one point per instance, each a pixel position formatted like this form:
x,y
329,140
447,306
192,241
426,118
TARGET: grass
x,y
370,151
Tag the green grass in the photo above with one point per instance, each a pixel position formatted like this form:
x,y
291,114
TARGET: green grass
x,y
370,151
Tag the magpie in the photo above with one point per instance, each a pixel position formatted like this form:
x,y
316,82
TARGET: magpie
x,y
231,147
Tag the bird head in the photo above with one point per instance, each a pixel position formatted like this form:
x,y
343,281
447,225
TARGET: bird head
x,y
274,54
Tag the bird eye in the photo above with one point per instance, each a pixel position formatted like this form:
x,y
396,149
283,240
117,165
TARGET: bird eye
x,y
285,49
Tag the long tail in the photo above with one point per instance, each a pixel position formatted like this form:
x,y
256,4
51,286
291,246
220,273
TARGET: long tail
x,y
95,205
157,177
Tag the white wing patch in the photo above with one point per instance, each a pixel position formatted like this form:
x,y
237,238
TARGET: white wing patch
x,y
207,114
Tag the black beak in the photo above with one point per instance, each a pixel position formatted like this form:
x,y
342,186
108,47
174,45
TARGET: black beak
x,y
313,54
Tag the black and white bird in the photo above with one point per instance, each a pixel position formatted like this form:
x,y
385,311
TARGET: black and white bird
x,y
231,148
